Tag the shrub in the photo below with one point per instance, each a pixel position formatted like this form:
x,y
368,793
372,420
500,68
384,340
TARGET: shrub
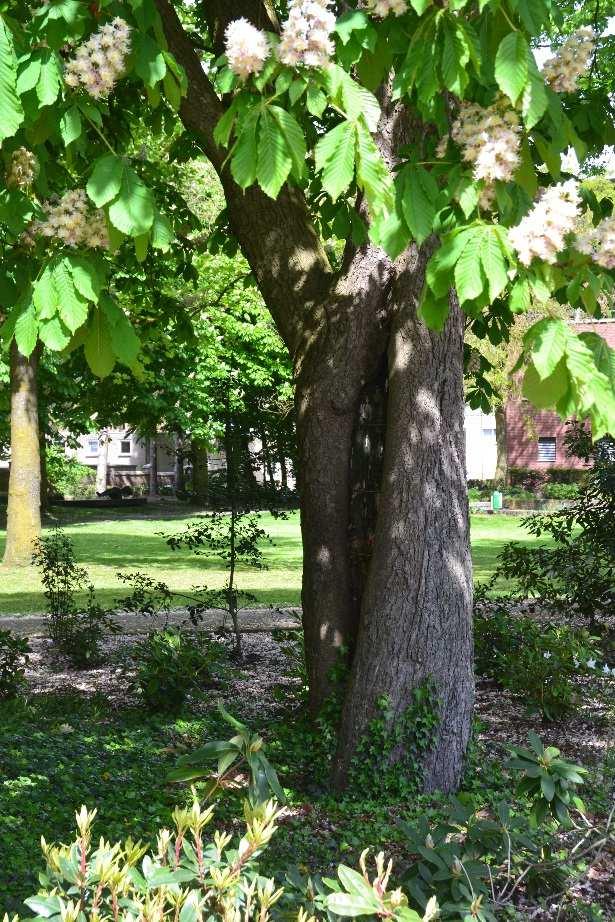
x,y
66,476
575,572
190,877
538,664
561,490
14,655
526,478
76,631
171,662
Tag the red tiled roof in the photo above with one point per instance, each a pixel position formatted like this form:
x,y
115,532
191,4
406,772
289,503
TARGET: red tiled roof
x,y
604,328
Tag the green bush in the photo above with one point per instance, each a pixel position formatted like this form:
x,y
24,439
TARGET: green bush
x,y
538,664
66,476
169,664
14,654
561,491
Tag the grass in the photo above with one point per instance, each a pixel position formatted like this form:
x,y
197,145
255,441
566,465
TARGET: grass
x,y
108,543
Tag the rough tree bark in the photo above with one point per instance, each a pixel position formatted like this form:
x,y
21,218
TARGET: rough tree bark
x,y
200,471
416,606
501,441
24,500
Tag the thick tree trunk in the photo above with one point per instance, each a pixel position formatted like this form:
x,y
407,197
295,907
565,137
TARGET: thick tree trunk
x,y
44,476
24,500
283,470
102,463
501,441
200,471
416,621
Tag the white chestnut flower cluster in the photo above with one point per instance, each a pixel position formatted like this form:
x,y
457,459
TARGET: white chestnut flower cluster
x,y
599,243
22,169
306,34
542,232
71,220
247,48
571,61
100,61
382,8
489,138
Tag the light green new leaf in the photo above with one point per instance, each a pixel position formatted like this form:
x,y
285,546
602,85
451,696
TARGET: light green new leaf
x,y
132,211
106,179
335,158
520,299
512,64
50,78
125,342
54,334
355,100
548,340
420,192
545,393
604,356
89,275
162,233
294,137
97,347
535,100
244,154
11,110
72,306
455,57
373,176
469,275
28,74
419,6
390,231
45,295
149,61
352,21
493,261
433,311
70,125
274,162
26,331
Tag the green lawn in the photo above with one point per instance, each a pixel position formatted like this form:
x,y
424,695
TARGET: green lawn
x,y
129,542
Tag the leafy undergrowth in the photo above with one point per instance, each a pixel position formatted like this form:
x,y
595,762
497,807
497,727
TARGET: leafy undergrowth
x,y
60,750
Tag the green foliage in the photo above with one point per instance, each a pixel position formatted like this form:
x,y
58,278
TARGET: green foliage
x,y
538,663
474,861
14,655
66,476
76,631
561,491
574,571
169,664
244,750
390,756
548,780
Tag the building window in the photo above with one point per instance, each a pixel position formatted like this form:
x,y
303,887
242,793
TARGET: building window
x,y
125,447
92,446
546,448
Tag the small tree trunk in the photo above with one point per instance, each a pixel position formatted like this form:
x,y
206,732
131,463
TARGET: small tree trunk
x,y
200,471
24,499
283,471
153,468
44,477
416,620
102,463
501,441
180,473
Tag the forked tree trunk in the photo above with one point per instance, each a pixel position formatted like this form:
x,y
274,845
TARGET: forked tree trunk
x,y
24,500
416,616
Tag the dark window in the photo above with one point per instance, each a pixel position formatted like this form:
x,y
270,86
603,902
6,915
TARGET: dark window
x,y
546,448
125,447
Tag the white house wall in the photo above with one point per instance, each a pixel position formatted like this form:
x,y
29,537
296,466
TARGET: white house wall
x,y
481,448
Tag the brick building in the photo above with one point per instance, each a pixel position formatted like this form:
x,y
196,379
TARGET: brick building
x,y
535,438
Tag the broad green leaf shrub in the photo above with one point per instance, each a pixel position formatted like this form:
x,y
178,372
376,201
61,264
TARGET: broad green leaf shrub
x,y
14,655
170,664
77,631
561,491
190,875
474,860
539,664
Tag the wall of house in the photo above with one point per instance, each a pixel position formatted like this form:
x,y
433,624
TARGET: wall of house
x,y
128,456
481,448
